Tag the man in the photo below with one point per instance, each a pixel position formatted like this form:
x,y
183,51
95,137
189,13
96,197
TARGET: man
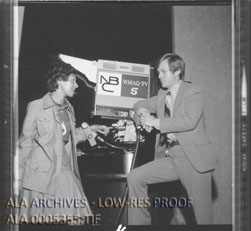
x,y
183,150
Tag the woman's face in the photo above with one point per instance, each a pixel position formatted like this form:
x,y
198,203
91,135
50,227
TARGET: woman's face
x,y
68,87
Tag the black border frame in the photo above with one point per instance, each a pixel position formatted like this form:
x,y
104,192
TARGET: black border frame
x,y
241,54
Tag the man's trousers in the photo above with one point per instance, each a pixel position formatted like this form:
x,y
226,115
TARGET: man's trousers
x,y
175,166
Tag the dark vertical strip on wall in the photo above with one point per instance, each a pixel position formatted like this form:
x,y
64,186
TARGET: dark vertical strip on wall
x,y
243,64
6,109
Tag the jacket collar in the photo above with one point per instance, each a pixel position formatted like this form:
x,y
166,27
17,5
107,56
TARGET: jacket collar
x,y
48,102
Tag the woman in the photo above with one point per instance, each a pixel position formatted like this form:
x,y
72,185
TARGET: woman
x,y
48,169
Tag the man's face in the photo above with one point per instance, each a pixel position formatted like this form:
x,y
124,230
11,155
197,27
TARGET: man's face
x,y
68,87
167,78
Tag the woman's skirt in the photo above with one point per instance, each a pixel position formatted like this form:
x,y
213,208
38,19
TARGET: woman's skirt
x,y
66,205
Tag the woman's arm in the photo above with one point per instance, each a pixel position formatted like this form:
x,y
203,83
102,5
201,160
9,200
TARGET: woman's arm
x,y
25,144
81,133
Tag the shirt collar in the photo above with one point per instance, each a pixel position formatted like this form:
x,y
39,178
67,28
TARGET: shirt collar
x,y
48,102
174,89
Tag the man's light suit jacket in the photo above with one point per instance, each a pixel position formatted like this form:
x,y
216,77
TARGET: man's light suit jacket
x,y
186,123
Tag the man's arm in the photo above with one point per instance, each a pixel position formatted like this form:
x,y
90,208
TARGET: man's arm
x,y
143,108
149,104
193,109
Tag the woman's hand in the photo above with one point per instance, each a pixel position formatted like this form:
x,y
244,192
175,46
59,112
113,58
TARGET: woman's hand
x,y
104,130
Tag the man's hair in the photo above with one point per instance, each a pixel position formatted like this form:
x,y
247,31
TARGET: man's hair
x,y
175,63
58,70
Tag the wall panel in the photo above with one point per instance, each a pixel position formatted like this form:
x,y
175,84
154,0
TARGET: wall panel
x,y
202,36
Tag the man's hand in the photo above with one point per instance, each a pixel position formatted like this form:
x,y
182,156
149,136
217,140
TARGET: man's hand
x,y
149,121
147,128
143,111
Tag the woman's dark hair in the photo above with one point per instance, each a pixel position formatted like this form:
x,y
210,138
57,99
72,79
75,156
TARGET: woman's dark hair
x,y
58,70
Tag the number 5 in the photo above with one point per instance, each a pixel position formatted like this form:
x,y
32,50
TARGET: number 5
x,y
134,90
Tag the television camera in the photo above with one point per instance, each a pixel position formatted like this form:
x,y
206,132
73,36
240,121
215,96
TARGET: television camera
x,y
117,87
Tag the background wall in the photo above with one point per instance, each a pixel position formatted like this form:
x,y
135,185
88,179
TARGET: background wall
x,y
202,36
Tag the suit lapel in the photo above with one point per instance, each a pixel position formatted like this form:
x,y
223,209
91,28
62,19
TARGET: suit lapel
x,y
179,96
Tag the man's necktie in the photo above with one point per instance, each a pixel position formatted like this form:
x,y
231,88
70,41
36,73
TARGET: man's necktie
x,y
167,106
167,113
